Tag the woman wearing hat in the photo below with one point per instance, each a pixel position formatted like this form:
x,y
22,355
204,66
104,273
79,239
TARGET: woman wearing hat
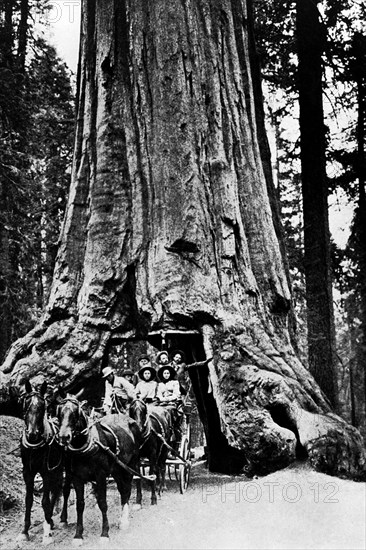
x,y
168,387
169,395
147,386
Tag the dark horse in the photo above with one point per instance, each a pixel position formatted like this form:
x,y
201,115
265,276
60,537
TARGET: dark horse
x,y
96,450
155,427
40,454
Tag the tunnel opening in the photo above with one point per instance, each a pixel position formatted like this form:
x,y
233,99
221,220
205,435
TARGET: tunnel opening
x,y
221,457
280,416
122,353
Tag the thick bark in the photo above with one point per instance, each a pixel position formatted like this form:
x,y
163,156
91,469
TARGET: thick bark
x,y
169,226
317,262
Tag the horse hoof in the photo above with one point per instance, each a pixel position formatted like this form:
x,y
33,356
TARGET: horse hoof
x,y
136,507
77,543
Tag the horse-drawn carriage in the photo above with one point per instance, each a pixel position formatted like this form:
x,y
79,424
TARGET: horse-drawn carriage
x,y
178,463
91,449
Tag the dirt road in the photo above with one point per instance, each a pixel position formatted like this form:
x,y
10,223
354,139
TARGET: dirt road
x,y
295,508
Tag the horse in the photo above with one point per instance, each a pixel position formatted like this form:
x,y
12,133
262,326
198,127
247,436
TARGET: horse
x,y
155,427
40,454
95,450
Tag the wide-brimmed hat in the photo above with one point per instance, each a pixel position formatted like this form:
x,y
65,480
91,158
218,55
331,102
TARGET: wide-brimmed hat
x,y
107,371
144,356
173,374
163,352
128,372
181,353
151,369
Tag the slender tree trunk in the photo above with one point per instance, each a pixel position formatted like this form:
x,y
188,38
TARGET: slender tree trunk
x,y
8,37
5,273
320,316
171,225
352,394
5,199
22,33
360,222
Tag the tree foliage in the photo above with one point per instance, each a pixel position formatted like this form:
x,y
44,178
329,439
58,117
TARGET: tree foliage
x,y
36,124
343,63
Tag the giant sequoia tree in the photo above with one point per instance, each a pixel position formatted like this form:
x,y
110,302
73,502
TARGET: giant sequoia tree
x,y
172,224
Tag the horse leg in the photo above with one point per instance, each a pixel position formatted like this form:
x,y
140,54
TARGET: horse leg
x,y
56,490
79,487
161,466
153,472
101,494
138,493
47,510
29,486
65,493
124,485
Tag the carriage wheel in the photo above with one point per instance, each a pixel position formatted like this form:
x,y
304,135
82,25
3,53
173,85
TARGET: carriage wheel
x,y
184,468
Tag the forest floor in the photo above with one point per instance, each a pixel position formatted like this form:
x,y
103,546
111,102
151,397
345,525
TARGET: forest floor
x,y
294,508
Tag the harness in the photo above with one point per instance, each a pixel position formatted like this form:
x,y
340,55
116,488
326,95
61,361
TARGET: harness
x,y
93,441
117,402
88,447
146,427
159,423
49,434
50,427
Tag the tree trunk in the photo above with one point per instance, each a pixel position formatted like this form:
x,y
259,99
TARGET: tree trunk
x,y
169,227
7,40
22,34
317,262
359,73
6,271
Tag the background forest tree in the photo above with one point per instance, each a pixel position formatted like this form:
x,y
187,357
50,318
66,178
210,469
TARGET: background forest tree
x,y
130,262
344,122
36,123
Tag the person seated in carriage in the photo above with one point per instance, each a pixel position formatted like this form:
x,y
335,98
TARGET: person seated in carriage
x,y
130,376
169,394
168,388
146,388
118,392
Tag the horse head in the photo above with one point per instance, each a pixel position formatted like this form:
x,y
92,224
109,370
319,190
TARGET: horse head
x,y
139,413
72,418
34,411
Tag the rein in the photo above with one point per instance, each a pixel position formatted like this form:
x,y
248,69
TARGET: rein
x,y
49,429
159,423
89,445
48,436
94,443
146,427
